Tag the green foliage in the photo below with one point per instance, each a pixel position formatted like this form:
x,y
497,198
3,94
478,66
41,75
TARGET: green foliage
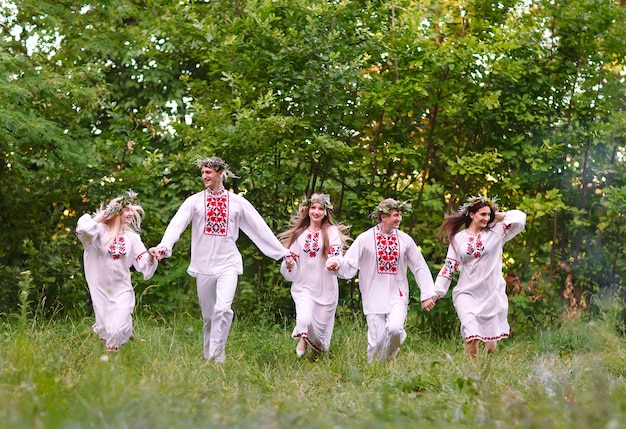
x,y
421,101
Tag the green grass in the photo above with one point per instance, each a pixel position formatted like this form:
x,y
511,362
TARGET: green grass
x,y
57,375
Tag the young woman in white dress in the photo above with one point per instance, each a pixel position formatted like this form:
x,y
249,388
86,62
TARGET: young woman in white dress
x,y
111,247
316,244
479,296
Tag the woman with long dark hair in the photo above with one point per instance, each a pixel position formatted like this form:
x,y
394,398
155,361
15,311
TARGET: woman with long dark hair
x,y
479,296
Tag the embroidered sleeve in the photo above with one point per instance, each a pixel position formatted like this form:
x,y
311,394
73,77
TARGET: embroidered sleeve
x,y
141,258
449,268
444,278
290,276
513,223
334,251
335,246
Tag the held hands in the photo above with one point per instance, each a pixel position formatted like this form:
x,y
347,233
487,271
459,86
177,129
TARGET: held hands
x,y
158,252
429,303
332,265
290,263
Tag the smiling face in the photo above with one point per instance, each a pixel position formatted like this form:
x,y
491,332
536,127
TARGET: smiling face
x,y
390,221
316,214
480,219
212,179
127,214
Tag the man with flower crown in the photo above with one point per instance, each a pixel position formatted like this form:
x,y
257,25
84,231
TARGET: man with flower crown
x,y
382,255
216,216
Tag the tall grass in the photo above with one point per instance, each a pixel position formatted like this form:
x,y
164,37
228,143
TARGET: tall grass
x,y
57,375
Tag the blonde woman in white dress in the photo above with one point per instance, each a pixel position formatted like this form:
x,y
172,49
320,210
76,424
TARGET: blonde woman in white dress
x,y
316,245
479,296
111,247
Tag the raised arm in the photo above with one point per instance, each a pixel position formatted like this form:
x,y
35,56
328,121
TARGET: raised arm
x,y
87,229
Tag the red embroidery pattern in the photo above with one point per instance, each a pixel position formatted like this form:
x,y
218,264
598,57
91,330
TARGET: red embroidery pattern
x,y
334,251
475,246
312,243
216,222
118,247
449,268
480,337
305,337
387,252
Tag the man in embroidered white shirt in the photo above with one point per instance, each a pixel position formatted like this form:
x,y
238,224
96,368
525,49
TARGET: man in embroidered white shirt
x,y
216,216
382,255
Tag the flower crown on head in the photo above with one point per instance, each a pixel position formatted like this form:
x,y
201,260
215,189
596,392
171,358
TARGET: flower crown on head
x,y
475,199
218,164
386,206
323,199
117,204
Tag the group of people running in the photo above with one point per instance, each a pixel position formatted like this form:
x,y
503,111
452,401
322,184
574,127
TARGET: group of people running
x,y
313,258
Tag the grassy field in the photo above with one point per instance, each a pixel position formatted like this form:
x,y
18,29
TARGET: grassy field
x,y
57,375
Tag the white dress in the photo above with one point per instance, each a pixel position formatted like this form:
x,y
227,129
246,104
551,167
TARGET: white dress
x,y
107,271
480,296
314,289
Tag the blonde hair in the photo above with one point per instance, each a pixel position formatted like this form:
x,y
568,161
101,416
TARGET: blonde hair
x,y
113,219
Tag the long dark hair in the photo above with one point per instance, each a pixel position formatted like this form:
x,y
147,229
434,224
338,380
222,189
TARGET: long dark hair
x,y
452,223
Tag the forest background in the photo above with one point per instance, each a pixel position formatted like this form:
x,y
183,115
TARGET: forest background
x,y
425,101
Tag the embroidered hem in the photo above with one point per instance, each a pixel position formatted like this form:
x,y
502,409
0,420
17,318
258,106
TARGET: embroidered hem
x,y
480,337
305,337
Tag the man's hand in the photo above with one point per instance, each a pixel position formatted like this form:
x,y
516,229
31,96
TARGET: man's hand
x,y
429,303
290,263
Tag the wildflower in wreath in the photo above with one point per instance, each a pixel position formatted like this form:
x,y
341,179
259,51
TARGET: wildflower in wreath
x,y
387,205
464,209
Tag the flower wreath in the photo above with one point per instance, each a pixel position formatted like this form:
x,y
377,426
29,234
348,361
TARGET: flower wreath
x,y
475,199
218,164
386,206
115,207
323,199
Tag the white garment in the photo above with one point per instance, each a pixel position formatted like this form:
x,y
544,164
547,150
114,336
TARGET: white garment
x,y
107,270
385,333
479,296
215,294
383,282
382,261
314,289
212,253
216,218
